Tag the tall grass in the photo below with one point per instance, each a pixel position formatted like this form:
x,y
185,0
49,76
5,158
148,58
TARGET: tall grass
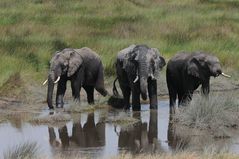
x,y
32,30
27,150
218,114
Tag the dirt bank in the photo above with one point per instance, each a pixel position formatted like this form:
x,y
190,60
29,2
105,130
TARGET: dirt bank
x,y
33,94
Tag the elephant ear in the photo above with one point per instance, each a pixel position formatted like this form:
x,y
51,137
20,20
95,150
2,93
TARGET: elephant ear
x,y
75,61
195,67
130,55
162,62
159,60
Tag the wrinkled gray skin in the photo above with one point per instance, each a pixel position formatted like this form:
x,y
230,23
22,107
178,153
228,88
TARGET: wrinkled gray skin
x,y
82,67
185,72
144,62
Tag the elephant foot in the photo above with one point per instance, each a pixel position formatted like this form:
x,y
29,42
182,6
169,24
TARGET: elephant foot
x,y
136,108
51,107
126,107
59,105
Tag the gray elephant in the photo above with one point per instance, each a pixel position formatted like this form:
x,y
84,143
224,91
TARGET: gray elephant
x,y
186,71
137,68
82,67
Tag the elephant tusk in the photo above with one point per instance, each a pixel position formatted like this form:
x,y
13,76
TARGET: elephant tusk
x,y
225,75
58,78
45,82
136,79
152,76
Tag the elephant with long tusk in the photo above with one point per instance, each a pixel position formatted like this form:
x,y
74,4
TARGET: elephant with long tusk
x,y
82,67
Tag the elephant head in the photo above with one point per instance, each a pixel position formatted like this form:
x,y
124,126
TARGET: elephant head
x,y
203,66
147,63
64,64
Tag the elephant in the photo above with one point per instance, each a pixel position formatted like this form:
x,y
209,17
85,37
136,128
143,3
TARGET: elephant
x,y
186,71
83,67
137,68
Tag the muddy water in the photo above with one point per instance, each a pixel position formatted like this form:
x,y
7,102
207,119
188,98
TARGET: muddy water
x,y
88,135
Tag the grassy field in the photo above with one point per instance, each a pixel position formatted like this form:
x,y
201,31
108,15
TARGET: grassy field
x,y
32,30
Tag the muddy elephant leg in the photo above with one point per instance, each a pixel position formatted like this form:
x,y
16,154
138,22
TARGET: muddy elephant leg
x,y
90,94
61,89
136,97
126,91
152,89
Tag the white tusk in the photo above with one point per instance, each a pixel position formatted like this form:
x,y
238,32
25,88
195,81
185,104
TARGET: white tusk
x,y
45,82
152,76
136,79
225,75
58,78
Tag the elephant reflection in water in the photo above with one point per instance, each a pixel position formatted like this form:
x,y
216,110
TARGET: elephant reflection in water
x,y
176,141
140,138
90,135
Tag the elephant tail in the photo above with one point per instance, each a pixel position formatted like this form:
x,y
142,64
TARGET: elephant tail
x,y
115,91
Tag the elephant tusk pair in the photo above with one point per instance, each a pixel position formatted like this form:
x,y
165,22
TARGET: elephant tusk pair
x,y
137,78
57,80
225,75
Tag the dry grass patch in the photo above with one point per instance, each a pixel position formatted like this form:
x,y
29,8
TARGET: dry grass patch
x,y
219,114
123,120
26,150
84,107
182,155
56,119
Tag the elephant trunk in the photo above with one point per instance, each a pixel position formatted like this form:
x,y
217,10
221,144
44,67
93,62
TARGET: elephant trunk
x,y
143,79
50,90
143,87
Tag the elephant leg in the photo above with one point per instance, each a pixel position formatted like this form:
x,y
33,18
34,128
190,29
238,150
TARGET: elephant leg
x,y
152,90
61,89
205,88
172,98
180,98
187,97
126,91
90,94
136,97
76,87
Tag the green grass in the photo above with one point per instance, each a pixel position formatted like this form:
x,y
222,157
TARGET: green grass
x,y
32,30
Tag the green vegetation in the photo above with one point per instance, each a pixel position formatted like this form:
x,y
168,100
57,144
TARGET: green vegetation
x,y
32,30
